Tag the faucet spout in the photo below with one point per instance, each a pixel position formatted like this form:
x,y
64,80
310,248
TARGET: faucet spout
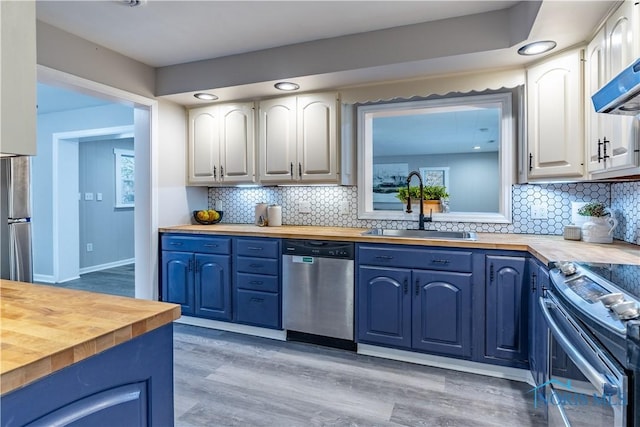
x,y
421,216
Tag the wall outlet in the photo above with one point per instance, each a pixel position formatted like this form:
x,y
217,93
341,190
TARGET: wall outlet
x,y
88,196
89,247
539,211
304,207
343,208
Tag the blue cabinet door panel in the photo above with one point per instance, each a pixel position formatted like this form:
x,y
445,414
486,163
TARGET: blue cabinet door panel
x,y
177,279
213,293
257,282
258,308
506,308
384,312
257,265
442,312
259,248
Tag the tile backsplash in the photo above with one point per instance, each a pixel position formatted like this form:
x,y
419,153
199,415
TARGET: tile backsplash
x,y
325,201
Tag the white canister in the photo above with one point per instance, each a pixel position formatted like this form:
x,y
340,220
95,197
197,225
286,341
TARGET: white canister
x,y
598,229
261,213
274,214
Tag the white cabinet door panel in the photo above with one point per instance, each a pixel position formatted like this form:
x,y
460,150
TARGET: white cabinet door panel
x,y
204,144
278,139
317,137
237,143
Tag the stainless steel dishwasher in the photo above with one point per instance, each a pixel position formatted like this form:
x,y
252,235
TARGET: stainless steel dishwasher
x,y
318,287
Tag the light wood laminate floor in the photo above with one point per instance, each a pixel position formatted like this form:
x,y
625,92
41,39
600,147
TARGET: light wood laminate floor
x,y
227,379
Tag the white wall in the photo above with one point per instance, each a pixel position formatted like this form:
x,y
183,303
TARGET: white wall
x,y
42,169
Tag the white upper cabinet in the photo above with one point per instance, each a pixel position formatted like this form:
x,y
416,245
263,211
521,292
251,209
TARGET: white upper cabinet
x,y
18,77
221,144
299,139
554,116
612,140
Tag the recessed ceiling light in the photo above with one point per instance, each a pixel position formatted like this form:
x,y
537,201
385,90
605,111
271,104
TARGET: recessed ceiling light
x,y
288,86
206,96
537,48
476,147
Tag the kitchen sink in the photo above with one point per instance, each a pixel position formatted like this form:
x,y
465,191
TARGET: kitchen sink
x,y
423,234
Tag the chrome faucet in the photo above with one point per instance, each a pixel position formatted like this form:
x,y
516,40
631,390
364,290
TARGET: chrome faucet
x,y
421,218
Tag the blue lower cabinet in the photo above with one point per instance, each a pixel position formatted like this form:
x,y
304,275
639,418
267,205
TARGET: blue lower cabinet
x,y
384,306
442,312
177,280
213,286
127,385
506,308
258,308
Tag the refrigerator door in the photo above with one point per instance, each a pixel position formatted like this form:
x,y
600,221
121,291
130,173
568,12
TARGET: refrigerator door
x,y
20,260
18,187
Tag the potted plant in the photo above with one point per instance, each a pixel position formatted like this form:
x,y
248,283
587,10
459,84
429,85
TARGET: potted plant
x,y
599,225
432,196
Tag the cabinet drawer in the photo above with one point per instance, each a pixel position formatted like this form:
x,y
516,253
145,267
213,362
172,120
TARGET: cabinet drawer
x,y
258,308
257,282
261,248
202,244
257,265
426,259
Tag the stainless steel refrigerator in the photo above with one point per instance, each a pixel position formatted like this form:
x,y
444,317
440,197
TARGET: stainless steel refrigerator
x,y
15,219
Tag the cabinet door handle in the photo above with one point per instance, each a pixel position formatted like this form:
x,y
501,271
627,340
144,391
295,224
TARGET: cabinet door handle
x,y
599,150
300,170
197,266
210,245
533,282
605,141
406,286
190,266
215,175
530,162
175,243
384,257
440,261
291,168
254,248
256,282
221,172
491,273
417,287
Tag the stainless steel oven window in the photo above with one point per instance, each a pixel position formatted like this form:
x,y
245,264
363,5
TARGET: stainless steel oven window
x,y
591,389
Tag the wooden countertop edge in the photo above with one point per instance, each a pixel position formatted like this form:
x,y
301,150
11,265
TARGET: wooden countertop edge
x,y
26,374
545,248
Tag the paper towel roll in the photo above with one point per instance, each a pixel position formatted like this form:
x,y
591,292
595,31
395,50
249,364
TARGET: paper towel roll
x,y
275,215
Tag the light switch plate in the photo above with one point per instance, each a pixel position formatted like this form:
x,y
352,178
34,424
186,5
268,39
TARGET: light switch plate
x,y
539,211
344,208
304,207
99,197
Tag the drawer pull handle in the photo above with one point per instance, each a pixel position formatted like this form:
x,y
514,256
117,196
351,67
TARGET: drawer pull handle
x,y
175,243
254,299
384,257
210,245
256,265
190,267
254,248
256,282
440,261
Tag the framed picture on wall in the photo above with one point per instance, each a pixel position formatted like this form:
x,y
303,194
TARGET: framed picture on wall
x,y
387,179
124,178
435,176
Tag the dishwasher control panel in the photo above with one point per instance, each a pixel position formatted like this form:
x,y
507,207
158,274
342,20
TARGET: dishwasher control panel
x,y
317,248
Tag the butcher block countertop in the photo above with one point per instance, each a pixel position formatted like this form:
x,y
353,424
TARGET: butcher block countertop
x,y
45,328
546,248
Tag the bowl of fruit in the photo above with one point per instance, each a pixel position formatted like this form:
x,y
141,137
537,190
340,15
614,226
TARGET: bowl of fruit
x,y
207,217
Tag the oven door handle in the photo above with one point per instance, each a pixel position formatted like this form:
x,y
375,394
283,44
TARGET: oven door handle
x,y
604,387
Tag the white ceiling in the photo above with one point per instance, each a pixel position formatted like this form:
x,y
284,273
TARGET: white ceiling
x,y
163,33
160,33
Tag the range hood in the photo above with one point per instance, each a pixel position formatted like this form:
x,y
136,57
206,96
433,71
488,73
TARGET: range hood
x,y
622,94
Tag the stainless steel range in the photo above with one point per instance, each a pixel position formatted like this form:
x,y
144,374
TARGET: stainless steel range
x,y
593,315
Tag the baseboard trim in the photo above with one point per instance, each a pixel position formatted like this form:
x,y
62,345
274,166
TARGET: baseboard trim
x,y
505,372
106,266
233,327
44,278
